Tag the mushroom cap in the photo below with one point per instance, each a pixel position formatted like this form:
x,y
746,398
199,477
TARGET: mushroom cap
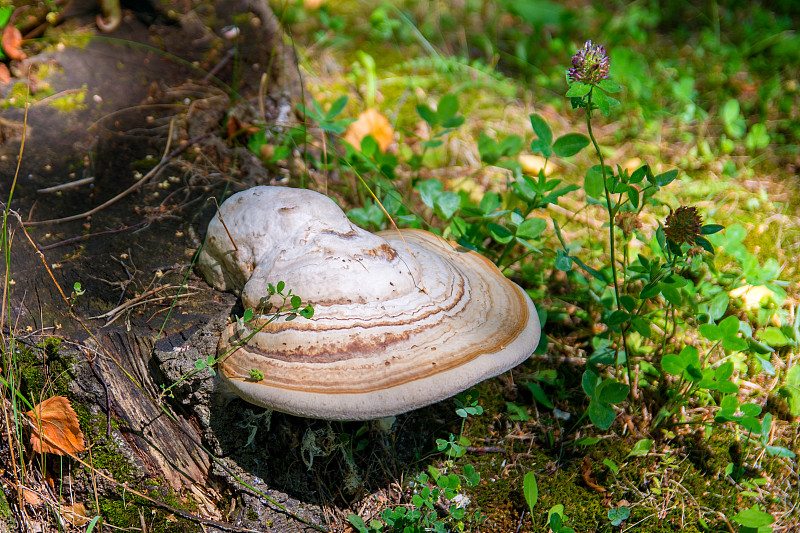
x,y
402,319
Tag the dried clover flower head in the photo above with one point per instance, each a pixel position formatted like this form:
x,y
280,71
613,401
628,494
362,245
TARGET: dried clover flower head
x,y
683,225
589,65
628,222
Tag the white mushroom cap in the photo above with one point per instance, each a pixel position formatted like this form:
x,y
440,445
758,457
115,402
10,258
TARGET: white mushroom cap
x,y
401,319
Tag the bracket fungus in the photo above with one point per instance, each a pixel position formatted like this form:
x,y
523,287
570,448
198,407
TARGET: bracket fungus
x,y
402,319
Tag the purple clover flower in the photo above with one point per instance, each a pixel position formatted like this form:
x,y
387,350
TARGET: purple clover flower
x,y
589,65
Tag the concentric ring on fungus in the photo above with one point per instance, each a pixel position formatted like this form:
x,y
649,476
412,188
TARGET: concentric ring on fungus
x,y
401,319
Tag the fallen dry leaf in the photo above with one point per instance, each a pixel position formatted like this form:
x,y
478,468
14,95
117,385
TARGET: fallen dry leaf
x,y
5,75
76,514
588,475
532,164
370,122
31,497
58,423
311,5
632,164
235,127
752,295
12,39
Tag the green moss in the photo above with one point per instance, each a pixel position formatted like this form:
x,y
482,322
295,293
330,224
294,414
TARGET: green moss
x,y
241,19
18,93
686,471
45,372
124,513
252,515
6,515
105,455
118,507
76,39
72,101
39,380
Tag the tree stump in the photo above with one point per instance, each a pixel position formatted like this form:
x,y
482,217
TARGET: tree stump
x,y
128,137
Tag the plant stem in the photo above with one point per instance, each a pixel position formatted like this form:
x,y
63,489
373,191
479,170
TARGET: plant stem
x,y
505,251
611,213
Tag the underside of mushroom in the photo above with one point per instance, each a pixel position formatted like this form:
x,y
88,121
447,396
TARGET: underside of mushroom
x,y
402,319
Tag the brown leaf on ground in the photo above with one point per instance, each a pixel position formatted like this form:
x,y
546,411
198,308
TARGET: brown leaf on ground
x,y
588,475
5,75
31,497
370,122
532,164
235,127
55,427
76,514
12,40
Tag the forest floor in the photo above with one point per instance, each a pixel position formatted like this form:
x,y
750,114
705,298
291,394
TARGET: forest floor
x,y
704,446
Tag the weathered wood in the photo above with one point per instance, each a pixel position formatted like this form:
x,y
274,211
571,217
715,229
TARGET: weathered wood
x,y
167,443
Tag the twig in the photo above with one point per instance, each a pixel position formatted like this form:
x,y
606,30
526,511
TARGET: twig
x,y
521,518
222,62
153,172
142,299
68,185
58,95
235,248
90,235
480,450
176,266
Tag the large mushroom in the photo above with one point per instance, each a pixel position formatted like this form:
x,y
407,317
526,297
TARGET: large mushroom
x,y
401,319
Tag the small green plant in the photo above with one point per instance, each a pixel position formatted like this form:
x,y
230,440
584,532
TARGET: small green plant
x,y
556,519
466,406
754,520
255,374
289,309
618,515
77,290
530,490
328,121
431,488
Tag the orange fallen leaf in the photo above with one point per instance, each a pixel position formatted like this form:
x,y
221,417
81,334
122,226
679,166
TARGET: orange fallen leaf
x,y
31,497
12,39
60,432
5,75
370,122
632,164
76,514
235,127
